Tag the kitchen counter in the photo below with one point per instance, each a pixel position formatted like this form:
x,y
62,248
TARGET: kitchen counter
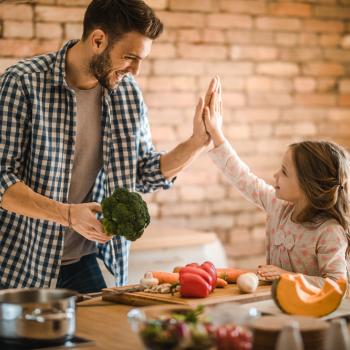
x,y
106,323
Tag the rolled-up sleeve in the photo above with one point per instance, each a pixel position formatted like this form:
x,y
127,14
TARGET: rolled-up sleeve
x,y
149,175
13,131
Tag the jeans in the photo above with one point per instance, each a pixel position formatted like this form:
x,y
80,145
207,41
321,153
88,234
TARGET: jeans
x,y
83,276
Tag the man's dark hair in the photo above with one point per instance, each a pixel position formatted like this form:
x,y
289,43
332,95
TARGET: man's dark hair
x,y
118,17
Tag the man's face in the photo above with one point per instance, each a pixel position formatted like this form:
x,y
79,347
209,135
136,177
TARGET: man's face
x,y
123,57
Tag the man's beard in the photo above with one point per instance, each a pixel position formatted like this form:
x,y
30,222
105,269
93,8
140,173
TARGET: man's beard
x,y
100,66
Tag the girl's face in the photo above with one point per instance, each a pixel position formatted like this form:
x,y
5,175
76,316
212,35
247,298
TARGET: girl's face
x,y
286,181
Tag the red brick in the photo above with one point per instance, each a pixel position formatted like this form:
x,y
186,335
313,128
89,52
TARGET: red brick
x,y
250,37
283,24
214,36
157,4
14,29
192,193
332,12
48,30
228,83
316,99
302,54
84,3
168,116
169,83
189,35
6,62
258,83
193,5
202,52
286,39
278,69
181,20
291,9
330,39
27,48
344,101
261,130
345,43
73,30
59,14
337,55
238,131
257,114
169,196
255,53
339,115
326,26
163,133
233,99
174,67
16,12
229,68
304,84
344,85
163,50
246,6
170,99
268,99
323,69
282,84
304,113
308,39
226,21
326,84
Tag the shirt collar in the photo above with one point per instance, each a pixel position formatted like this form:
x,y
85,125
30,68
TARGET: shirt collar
x,y
59,68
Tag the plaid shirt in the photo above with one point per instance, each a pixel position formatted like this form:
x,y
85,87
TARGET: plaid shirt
x,y
37,140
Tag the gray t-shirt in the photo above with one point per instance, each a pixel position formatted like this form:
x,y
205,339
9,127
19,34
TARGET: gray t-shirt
x,y
87,163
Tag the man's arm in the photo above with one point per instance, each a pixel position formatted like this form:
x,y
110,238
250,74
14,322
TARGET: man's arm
x,y
22,200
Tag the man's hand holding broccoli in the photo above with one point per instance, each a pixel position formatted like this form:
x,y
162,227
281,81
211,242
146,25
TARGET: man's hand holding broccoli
x,y
125,213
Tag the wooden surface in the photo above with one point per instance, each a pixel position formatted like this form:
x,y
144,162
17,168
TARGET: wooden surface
x,y
106,323
220,295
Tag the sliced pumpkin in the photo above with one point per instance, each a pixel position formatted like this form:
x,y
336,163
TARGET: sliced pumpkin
x,y
295,296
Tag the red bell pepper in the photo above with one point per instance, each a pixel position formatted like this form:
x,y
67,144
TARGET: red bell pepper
x,y
197,271
193,285
210,268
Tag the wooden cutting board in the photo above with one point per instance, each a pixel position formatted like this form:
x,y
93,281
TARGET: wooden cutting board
x,y
220,295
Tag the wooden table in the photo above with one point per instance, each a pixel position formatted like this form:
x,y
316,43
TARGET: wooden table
x,y
106,323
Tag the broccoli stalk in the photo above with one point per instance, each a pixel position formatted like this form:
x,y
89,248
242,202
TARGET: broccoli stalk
x,y
125,213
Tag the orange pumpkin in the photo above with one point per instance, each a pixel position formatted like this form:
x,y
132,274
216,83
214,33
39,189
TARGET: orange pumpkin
x,y
295,296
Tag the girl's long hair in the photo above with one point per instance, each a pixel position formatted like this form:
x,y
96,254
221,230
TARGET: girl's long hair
x,y
323,172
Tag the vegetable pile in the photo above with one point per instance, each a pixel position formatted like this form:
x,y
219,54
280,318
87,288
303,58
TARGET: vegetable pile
x,y
191,330
125,213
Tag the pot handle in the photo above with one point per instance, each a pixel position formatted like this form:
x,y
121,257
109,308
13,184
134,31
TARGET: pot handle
x,y
42,318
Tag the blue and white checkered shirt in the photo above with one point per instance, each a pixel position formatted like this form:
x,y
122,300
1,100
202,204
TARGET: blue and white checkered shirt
x,y
37,140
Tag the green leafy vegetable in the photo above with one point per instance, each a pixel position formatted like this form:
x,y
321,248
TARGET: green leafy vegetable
x,y
125,213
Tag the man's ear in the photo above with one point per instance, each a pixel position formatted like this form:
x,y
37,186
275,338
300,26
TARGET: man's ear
x,y
98,41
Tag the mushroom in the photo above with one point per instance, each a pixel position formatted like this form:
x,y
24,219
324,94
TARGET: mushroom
x,y
148,280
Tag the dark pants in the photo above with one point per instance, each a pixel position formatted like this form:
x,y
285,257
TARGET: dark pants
x,y
83,276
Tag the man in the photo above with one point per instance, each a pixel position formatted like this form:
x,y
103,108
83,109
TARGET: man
x,y
74,128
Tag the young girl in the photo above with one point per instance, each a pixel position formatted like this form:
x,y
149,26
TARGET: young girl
x,y
307,208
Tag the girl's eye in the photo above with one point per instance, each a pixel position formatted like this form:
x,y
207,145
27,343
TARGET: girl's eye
x,y
284,172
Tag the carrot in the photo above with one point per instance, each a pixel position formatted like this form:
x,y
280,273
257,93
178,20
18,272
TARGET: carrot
x,y
177,268
230,275
166,277
220,283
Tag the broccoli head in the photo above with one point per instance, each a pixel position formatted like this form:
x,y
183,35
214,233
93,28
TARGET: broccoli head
x,y
125,213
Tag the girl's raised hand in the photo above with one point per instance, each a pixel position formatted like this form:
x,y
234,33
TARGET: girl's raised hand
x,y
213,115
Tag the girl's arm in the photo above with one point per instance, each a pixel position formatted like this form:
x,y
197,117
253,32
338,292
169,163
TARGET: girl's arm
x,y
226,158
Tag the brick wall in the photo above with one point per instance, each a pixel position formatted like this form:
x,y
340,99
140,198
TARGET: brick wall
x,y
285,73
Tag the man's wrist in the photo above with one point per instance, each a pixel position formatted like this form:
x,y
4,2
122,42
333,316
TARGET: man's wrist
x,y
196,143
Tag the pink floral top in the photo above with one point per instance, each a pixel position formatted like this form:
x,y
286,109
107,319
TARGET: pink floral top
x,y
315,252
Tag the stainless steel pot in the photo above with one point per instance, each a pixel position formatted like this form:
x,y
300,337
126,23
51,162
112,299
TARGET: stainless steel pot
x,y
37,314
